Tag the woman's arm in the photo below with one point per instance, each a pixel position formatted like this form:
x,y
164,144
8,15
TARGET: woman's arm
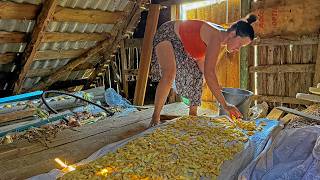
x,y
211,77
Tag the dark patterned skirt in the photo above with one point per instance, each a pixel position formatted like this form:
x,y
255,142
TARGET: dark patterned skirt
x,y
189,78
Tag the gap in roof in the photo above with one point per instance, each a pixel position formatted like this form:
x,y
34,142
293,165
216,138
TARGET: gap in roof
x,y
194,5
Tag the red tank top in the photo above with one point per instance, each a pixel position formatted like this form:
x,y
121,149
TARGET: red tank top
x,y
190,37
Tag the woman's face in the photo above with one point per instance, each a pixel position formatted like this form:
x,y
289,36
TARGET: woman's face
x,y
236,42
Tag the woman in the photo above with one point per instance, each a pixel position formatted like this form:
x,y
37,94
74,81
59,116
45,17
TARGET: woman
x,y
184,51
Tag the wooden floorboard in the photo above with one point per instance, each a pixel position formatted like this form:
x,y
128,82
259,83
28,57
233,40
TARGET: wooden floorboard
x,y
24,159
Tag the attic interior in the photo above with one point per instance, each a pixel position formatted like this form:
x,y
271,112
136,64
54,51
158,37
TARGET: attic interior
x,y
77,95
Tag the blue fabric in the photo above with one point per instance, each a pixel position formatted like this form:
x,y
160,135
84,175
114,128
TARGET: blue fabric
x,y
114,99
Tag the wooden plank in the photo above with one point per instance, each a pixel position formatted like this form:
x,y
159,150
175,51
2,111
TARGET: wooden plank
x,y
20,11
7,58
316,78
299,113
133,43
286,40
11,37
87,16
73,145
309,68
58,36
288,20
37,35
63,54
151,27
308,97
244,51
280,99
314,90
107,45
124,67
16,115
275,114
46,72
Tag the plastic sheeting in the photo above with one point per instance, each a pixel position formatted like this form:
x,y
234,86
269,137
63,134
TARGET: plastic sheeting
x,y
229,170
293,154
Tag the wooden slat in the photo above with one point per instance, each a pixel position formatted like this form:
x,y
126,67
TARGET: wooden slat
x,y
11,37
45,72
21,11
87,16
108,45
51,54
151,27
275,114
316,78
133,43
280,99
16,115
308,97
309,68
289,40
43,20
7,58
57,36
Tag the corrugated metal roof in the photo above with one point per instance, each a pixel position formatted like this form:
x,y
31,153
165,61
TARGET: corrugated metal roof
x,y
66,27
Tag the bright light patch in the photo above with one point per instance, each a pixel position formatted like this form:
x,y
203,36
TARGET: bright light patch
x,y
195,5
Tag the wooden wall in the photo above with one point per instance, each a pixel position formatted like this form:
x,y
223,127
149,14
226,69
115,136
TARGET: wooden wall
x,y
287,50
228,66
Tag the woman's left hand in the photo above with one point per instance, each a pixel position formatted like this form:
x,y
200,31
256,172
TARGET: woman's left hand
x,y
233,111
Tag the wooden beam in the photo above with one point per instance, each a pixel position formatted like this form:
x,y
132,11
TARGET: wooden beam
x,y
244,51
286,40
151,27
45,72
108,45
37,35
20,11
11,37
316,77
7,58
87,16
7,117
57,36
286,68
124,67
63,54
280,99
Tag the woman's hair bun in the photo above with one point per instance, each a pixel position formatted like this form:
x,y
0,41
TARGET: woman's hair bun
x,y
251,18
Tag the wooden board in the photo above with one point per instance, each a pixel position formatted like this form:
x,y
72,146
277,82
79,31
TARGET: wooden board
x,y
310,68
151,27
62,54
27,159
288,100
58,36
316,78
42,23
87,16
26,11
275,114
16,115
314,90
286,40
308,97
7,58
11,37
295,19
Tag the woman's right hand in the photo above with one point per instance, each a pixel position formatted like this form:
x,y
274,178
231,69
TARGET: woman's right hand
x,y
155,121
233,111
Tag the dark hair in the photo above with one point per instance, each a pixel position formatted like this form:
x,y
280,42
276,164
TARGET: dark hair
x,y
243,28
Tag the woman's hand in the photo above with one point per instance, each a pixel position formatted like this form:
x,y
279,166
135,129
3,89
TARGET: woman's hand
x,y
233,111
155,121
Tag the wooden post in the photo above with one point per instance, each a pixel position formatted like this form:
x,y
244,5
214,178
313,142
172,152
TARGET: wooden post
x,y
316,78
151,27
244,52
124,68
45,16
